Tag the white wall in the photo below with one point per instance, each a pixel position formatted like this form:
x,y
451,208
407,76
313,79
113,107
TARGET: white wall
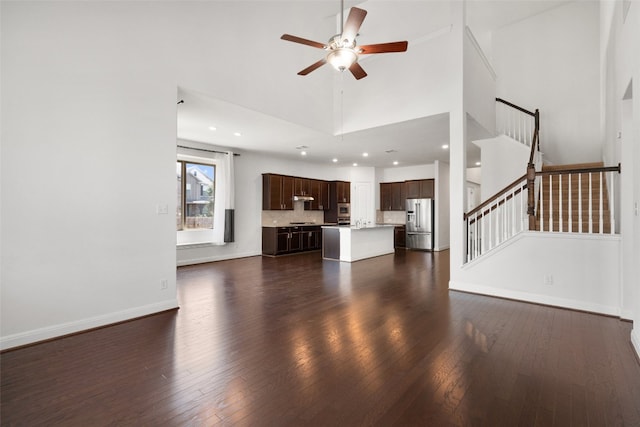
x,y
503,161
421,87
479,84
89,125
582,269
88,114
620,65
443,200
550,62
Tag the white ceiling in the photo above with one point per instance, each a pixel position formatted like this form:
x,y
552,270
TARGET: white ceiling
x,y
412,142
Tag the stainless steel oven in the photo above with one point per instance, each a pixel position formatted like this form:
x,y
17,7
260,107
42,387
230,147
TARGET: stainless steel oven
x,y
344,210
344,221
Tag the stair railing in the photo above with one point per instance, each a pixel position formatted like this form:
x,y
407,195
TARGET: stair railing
x,y
577,200
517,122
497,219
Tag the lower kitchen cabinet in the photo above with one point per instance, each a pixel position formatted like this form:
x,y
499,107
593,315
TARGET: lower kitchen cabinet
x,y
285,240
400,236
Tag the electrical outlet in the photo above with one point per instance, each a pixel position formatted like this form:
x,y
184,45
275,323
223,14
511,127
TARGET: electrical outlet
x,y
548,279
164,284
162,209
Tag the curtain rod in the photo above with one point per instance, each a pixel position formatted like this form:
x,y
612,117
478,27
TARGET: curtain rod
x,y
208,151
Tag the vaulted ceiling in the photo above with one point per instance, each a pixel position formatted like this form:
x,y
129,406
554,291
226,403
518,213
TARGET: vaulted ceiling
x,y
280,129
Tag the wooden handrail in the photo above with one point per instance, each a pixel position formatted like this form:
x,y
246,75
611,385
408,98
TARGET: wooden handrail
x,y
515,106
494,197
581,170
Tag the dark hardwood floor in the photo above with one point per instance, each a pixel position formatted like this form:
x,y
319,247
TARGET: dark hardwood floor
x,y
298,341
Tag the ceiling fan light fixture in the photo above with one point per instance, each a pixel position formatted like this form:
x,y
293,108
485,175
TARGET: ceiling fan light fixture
x,y
342,58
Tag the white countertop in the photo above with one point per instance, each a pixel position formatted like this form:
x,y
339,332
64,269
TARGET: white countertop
x,y
362,227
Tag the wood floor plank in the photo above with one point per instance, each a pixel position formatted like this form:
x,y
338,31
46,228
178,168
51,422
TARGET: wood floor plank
x,y
301,341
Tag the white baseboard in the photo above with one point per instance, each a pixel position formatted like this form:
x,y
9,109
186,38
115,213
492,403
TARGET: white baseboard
x,y
54,331
535,298
192,261
635,341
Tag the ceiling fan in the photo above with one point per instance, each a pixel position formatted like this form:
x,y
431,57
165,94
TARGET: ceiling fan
x,y
343,50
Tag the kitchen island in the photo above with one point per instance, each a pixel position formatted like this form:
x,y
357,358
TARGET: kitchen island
x,y
351,243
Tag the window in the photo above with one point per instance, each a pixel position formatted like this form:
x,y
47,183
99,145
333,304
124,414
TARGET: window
x,y
196,195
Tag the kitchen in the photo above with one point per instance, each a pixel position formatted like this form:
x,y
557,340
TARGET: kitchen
x,y
302,214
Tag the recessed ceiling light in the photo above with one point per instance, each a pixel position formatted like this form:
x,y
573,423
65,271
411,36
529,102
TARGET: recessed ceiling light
x,y
355,164
212,128
395,162
365,154
237,134
303,153
335,160
445,146
477,163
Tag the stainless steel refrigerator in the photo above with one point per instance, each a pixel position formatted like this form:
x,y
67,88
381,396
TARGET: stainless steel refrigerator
x,y
419,223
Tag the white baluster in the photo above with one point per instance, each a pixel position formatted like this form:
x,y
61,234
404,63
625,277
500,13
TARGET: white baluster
x,y
600,218
477,236
550,202
560,228
513,212
570,213
541,212
612,204
580,203
590,205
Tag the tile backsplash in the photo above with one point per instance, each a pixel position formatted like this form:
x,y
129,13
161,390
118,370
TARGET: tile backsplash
x,y
390,217
298,214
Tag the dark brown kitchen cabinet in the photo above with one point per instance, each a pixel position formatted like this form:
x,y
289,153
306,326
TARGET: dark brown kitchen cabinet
x,y
277,192
285,240
343,192
319,190
392,196
420,189
311,238
400,236
301,186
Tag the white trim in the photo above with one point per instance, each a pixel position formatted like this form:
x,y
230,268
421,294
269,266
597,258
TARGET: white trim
x,y
534,298
54,331
198,245
635,341
184,262
478,49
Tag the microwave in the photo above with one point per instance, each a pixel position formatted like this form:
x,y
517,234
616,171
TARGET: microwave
x,y
344,210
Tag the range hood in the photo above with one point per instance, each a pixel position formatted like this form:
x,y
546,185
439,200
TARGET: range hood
x,y
302,198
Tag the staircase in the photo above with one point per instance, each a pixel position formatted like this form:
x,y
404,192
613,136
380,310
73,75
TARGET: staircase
x,y
574,199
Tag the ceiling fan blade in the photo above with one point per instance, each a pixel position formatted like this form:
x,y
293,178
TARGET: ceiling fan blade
x,y
312,67
357,71
384,47
295,39
352,26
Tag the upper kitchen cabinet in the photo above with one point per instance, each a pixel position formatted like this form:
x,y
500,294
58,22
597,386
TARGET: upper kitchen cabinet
x,y
301,186
420,189
319,190
392,196
277,192
343,191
